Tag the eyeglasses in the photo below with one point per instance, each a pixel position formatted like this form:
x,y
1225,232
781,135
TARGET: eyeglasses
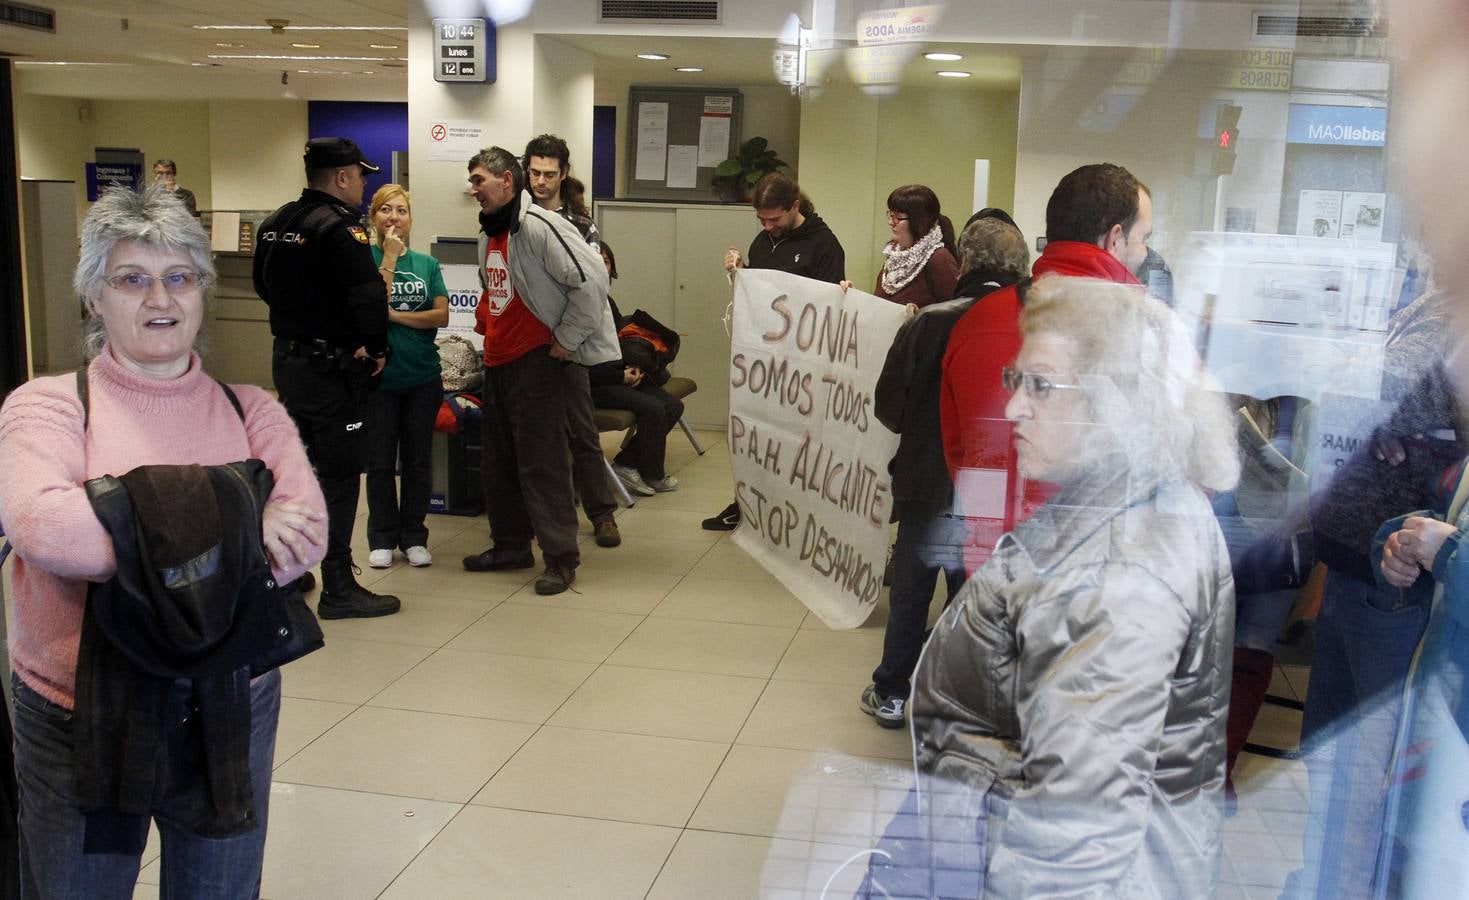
x,y
1037,387
140,283
894,218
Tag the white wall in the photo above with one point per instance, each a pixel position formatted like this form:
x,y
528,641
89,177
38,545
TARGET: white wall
x,y
256,148
563,98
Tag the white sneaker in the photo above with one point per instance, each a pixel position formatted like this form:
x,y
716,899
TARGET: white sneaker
x,y
380,559
419,556
635,483
664,485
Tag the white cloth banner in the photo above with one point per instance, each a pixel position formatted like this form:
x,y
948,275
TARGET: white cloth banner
x,y
810,458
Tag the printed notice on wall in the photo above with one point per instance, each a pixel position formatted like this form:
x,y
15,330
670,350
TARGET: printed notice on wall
x,y
1361,215
713,140
455,140
1319,214
810,459
463,284
683,166
652,141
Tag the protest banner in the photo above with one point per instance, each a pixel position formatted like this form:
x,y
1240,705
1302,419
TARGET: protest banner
x,y
809,457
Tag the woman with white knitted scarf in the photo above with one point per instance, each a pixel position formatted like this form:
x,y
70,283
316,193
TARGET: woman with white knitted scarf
x,y
921,264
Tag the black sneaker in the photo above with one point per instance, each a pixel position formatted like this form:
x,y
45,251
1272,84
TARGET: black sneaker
x,y
888,711
493,560
728,520
555,579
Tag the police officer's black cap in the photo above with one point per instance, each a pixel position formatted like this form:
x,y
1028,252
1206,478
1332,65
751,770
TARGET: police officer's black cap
x,y
335,152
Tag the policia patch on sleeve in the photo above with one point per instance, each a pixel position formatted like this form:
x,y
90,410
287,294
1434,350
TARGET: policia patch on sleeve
x,y
358,232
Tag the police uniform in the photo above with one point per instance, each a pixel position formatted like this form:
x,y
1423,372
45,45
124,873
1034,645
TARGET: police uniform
x,y
314,268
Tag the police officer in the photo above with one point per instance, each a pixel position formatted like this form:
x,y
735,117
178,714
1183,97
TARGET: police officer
x,y
329,314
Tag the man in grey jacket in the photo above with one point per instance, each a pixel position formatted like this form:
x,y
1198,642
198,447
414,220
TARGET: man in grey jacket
x,y
544,306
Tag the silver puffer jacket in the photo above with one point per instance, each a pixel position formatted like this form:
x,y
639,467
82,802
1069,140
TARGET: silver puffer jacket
x,y
1071,704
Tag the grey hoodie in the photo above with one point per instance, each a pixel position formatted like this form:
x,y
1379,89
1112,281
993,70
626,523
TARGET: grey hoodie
x,y
561,280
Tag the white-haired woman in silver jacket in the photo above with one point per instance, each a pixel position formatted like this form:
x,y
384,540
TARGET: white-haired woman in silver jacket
x,y
1069,711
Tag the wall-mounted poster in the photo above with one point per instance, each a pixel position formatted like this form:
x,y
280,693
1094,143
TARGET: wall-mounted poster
x,y
1361,215
1320,214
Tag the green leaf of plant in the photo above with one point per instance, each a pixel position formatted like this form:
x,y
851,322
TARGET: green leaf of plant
x,y
727,168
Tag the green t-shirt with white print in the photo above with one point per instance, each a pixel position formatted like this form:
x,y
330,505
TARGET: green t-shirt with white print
x,y
416,282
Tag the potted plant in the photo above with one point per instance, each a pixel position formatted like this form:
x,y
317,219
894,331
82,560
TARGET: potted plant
x,y
736,177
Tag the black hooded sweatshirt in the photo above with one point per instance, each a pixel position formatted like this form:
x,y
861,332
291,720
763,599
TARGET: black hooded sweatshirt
x,y
811,251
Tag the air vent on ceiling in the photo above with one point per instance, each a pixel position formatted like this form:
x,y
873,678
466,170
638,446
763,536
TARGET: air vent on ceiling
x,y
1273,25
28,16
675,12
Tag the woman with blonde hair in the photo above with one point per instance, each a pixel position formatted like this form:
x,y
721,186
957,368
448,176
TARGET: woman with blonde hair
x,y
401,411
1069,710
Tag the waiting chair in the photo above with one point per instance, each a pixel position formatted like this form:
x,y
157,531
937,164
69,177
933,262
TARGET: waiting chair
x,y
623,420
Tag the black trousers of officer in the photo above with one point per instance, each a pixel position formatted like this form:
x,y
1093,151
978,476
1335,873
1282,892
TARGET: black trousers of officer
x,y
329,407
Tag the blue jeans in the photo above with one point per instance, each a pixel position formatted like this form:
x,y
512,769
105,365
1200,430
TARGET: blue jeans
x,y
52,827
1364,645
926,548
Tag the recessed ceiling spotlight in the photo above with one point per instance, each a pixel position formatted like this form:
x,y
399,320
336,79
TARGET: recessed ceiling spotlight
x,y
943,57
688,69
654,57
950,73
383,46
307,46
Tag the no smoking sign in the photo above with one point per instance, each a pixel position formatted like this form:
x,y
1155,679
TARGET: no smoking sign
x,y
454,140
438,132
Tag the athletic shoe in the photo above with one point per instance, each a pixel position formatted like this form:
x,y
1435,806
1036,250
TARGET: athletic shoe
x,y
664,485
728,520
419,556
380,559
888,711
630,477
493,560
605,533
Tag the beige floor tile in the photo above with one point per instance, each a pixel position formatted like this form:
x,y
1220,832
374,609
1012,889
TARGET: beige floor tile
x,y
330,843
835,657
1280,685
424,621
548,632
688,705
804,795
602,590
649,521
1299,678
605,775
706,500
806,716
723,600
469,541
1277,727
449,580
489,852
487,685
349,671
408,754
690,645
639,555
442,527
712,866
303,721
702,478
877,620
727,560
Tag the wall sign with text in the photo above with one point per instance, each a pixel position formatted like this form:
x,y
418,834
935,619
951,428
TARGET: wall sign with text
x,y
464,50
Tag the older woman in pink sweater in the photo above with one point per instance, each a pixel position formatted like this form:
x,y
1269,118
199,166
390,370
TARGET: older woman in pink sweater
x,y
144,276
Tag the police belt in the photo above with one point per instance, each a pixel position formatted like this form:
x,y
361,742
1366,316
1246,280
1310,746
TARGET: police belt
x,y
312,349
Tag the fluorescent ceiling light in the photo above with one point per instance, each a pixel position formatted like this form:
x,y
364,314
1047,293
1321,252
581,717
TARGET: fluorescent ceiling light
x,y
688,69
301,28
952,74
654,57
228,45
37,62
302,56
383,46
943,57
307,46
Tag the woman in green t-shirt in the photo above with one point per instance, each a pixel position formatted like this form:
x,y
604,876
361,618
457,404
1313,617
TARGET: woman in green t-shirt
x,y
401,411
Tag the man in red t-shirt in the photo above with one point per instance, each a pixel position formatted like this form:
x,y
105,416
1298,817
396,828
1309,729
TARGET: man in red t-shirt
x,y
1098,222
543,307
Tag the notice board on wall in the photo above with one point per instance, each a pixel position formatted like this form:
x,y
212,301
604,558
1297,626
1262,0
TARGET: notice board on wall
x,y
675,138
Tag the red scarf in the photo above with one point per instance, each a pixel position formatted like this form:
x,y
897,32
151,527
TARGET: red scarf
x,y
1081,260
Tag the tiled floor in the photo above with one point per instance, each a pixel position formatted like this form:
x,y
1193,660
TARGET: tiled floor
x,y
677,727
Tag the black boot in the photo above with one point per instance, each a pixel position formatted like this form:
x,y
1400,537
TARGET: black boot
x,y
305,584
343,598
